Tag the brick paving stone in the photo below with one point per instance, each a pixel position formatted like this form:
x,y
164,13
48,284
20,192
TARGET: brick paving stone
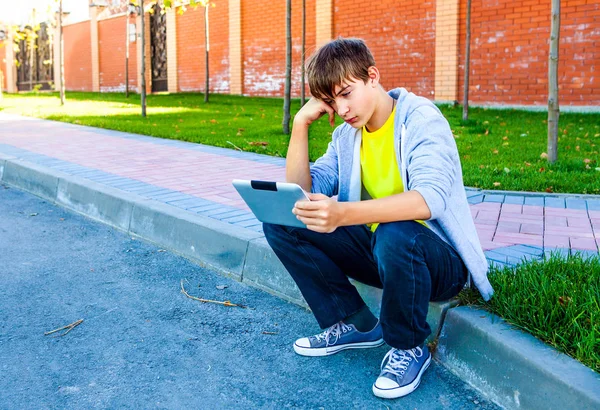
x,y
487,216
556,221
556,241
512,208
576,203
518,200
593,204
509,227
575,221
533,210
519,238
554,202
535,201
534,229
576,232
490,245
560,252
584,243
493,198
579,213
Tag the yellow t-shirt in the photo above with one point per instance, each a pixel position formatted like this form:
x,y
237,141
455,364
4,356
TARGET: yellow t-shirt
x,y
379,167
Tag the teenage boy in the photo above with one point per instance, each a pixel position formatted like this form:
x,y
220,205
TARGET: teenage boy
x,y
401,221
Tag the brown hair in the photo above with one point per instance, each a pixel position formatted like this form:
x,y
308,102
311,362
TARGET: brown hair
x,y
335,62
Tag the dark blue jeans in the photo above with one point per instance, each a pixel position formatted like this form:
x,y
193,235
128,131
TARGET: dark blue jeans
x,y
407,260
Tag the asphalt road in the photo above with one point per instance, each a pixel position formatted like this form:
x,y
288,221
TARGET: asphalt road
x,y
143,344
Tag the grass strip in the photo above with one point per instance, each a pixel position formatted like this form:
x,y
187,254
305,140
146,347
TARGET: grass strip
x,y
557,300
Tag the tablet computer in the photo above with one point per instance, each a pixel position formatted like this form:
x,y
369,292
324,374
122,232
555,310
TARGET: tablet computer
x,y
272,202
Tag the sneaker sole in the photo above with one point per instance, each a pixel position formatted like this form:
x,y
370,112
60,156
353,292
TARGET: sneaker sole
x,y
404,390
326,351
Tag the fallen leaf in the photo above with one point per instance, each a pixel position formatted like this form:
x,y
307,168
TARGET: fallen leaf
x,y
213,121
505,143
528,164
549,190
161,250
221,287
504,138
564,300
262,143
587,161
497,184
543,155
507,170
577,148
495,151
33,214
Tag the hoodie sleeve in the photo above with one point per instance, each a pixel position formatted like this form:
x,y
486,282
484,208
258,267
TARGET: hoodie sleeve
x,y
432,158
324,173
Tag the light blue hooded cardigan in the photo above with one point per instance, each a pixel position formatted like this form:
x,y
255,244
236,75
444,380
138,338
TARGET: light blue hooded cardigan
x,y
428,162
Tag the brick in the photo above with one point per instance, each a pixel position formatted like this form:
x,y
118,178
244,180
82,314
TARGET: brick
x,y
576,203
519,238
554,241
583,243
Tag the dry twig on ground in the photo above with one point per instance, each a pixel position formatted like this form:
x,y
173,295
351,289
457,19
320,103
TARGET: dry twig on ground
x,y
226,303
69,327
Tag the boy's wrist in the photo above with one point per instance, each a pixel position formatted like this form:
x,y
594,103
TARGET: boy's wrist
x,y
300,123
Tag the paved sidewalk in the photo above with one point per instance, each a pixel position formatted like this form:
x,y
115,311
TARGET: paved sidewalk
x,y
197,178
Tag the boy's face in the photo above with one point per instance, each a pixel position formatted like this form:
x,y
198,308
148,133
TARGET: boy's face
x,y
354,101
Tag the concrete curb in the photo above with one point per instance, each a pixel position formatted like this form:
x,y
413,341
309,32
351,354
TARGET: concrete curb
x,y
511,367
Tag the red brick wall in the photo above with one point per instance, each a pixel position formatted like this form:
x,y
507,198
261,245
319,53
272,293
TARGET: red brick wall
x,y
191,65
78,57
401,36
111,52
263,45
510,46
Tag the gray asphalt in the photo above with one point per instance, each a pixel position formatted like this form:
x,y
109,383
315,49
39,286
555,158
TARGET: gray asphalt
x,y
143,344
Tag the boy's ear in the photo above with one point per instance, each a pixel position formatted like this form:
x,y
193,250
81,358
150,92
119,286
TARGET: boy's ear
x,y
373,76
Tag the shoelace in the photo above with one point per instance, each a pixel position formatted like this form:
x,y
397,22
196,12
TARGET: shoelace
x,y
336,331
399,360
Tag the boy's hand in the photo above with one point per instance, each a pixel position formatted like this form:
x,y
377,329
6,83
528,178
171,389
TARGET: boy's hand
x,y
320,214
312,111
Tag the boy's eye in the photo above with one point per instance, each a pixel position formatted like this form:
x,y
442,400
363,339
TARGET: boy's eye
x,y
346,94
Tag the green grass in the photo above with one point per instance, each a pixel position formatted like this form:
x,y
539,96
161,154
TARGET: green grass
x,y
556,300
499,149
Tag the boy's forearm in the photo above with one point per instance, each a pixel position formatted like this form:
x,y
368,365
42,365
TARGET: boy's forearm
x,y
297,168
407,206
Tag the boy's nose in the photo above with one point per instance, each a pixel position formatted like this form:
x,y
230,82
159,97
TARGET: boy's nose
x,y
343,109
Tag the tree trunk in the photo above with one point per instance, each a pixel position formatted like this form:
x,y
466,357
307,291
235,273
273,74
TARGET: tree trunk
x,y
127,55
303,66
553,110
143,68
465,115
288,68
207,43
61,50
